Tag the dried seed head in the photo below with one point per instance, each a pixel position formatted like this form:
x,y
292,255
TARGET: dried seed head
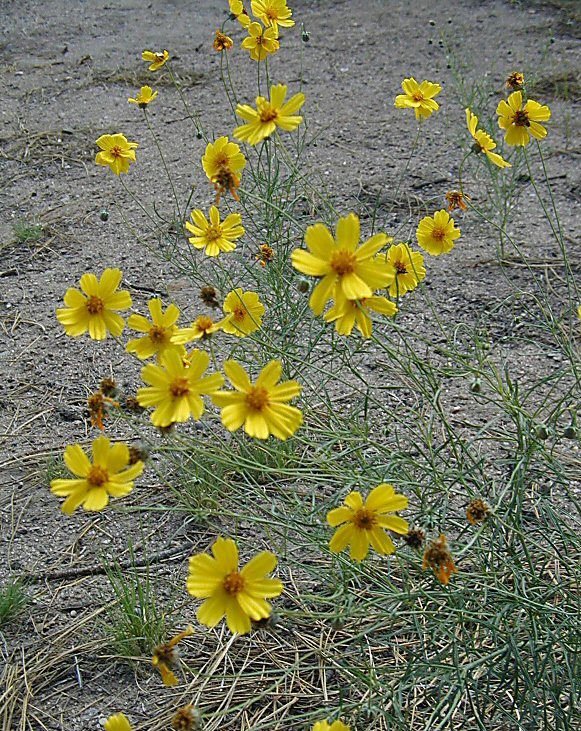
x,y
132,404
209,296
477,511
415,538
187,718
138,453
108,387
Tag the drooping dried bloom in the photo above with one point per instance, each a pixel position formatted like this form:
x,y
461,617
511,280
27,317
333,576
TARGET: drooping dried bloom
x,y
483,142
520,121
266,254
340,262
175,389
97,405
167,654
156,59
364,524
438,558
209,296
415,538
158,332
515,81
186,718
244,312
260,406
222,42
94,309
437,234
116,152
137,454
419,97
269,115
477,511
406,268
260,42
108,387
214,236
108,475
144,97
456,199
239,595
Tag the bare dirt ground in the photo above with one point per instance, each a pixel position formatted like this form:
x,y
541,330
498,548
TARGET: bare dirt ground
x,y
67,70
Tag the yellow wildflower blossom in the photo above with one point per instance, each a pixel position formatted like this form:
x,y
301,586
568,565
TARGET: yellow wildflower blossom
x,y
223,162
214,235
520,121
175,388
268,115
364,524
419,97
116,152
239,595
95,308
156,59
483,142
159,332
118,722
437,234
348,313
273,13
407,268
244,312
340,263
239,12
260,41
96,481
326,726
202,327
145,96
261,407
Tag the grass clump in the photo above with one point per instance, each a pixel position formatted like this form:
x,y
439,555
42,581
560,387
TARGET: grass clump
x,y
13,599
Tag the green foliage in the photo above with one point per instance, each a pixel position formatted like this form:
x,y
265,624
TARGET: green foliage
x,y
13,599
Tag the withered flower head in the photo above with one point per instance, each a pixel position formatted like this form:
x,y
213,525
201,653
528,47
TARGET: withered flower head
x,y
166,654
415,538
456,199
187,718
222,42
108,387
515,81
477,511
132,404
209,296
438,558
138,454
266,254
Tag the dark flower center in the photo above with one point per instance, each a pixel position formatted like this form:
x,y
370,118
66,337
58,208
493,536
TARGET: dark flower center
x,y
233,583
95,305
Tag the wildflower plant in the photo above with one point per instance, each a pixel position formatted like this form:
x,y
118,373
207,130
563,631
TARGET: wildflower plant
x,y
322,362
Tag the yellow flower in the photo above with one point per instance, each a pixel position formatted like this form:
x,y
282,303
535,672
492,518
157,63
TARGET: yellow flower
x,y
438,558
202,327
222,163
222,42
268,115
157,59
160,331
175,388
347,313
95,310
520,121
216,236
240,596
338,262
407,267
144,97
515,81
95,482
116,152
244,310
118,722
364,524
419,97
238,11
260,41
335,726
166,654
437,235
273,13
483,142
261,407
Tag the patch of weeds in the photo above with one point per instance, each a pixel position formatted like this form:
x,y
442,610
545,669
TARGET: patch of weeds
x,y
13,599
563,85
135,624
55,469
201,486
27,232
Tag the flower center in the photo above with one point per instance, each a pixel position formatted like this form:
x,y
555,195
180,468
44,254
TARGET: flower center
x,y
239,313
179,387
116,151
257,398
204,322
94,305
222,161
233,583
364,519
400,267
268,113
438,233
157,334
213,233
271,14
521,119
343,262
418,96
97,476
